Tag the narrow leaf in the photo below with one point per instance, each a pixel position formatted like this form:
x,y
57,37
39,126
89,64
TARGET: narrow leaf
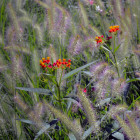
x,y
88,73
45,127
88,132
26,121
117,48
38,90
132,80
118,136
71,136
77,70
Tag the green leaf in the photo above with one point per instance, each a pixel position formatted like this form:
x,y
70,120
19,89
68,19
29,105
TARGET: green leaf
x,y
47,126
132,80
117,48
87,132
88,73
77,70
105,48
38,90
71,136
44,128
26,121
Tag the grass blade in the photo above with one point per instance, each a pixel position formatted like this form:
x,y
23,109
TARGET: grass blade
x,y
77,70
38,90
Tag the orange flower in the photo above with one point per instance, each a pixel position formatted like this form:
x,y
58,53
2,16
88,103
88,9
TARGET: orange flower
x,y
58,64
114,28
48,58
99,39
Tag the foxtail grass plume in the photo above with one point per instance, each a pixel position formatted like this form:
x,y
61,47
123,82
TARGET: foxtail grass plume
x,y
72,126
75,46
86,103
98,69
115,110
118,86
31,113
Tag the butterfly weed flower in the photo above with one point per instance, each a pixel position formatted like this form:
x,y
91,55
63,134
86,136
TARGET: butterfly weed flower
x,y
99,39
46,63
114,28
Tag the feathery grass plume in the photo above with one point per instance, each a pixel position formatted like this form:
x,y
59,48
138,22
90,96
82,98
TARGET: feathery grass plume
x,y
19,6
126,129
115,110
72,126
20,102
100,90
107,74
12,36
17,48
51,51
17,66
83,14
39,109
97,69
90,43
66,19
31,113
58,20
25,20
86,103
95,30
50,15
118,86
75,45
134,127
39,32
15,21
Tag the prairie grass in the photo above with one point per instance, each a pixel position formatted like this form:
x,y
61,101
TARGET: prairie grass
x,y
70,69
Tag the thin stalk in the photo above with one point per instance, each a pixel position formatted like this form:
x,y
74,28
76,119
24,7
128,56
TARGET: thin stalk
x,y
60,77
116,65
59,95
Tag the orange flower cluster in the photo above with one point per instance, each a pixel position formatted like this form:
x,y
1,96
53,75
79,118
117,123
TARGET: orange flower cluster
x,y
45,63
114,28
99,39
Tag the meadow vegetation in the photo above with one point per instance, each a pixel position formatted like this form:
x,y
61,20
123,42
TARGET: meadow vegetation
x,y
70,69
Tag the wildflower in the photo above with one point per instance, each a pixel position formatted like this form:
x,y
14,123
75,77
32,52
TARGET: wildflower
x,y
91,2
69,60
84,90
109,37
42,65
99,39
58,64
114,28
98,9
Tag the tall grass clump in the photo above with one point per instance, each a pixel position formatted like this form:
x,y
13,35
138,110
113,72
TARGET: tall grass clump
x,y
69,69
